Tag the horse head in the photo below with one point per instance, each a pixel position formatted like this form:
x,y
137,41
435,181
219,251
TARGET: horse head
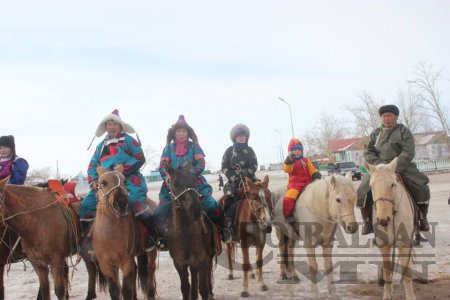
x,y
383,182
342,198
259,200
112,190
183,189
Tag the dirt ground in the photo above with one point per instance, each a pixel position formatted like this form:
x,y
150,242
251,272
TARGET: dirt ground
x,y
355,271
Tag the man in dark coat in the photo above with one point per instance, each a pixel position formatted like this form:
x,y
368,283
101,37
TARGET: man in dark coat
x,y
388,141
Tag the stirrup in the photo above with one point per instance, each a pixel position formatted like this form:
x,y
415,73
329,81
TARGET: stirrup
x,y
150,245
423,225
162,245
226,235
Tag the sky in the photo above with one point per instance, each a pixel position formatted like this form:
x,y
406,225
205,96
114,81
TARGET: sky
x,y
65,65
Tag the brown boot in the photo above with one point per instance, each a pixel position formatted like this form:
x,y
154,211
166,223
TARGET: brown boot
x,y
423,221
366,213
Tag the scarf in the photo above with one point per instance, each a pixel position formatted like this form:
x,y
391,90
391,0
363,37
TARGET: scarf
x,y
181,147
240,146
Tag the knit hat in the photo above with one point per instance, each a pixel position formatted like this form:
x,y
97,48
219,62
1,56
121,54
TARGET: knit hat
x,y
8,141
113,116
295,144
237,130
389,108
181,123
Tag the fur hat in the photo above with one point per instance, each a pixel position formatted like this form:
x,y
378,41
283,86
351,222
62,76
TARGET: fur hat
x,y
295,144
181,123
389,108
113,116
8,141
237,130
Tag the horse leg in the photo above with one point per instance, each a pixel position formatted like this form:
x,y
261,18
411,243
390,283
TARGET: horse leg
x,y
387,272
184,279
282,246
204,277
2,287
129,279
111,274
405,263
245,267
230,253
290,245
151,281
44,285
92,277
311,254
259,272
194,282
328,264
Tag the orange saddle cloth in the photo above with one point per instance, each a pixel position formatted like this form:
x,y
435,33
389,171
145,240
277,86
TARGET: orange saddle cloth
x,y
64,194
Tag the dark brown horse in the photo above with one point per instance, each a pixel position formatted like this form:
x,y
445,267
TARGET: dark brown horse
x,y
189,235
50,232
116,241
254,215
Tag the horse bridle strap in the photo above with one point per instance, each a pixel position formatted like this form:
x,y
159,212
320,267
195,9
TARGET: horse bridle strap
x,y
177,197
384,199
114,187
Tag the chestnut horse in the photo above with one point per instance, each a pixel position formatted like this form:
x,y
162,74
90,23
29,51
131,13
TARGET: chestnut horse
x,y
254,215
393,212
190,237
50,232
116,240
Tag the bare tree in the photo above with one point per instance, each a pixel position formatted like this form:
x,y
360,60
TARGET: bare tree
x,y
327,128
39,175
152,158
365,115
411,114
425,81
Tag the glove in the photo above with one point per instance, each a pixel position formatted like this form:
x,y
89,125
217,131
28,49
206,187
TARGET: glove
x,y
316,176
242,173
290,159
94,185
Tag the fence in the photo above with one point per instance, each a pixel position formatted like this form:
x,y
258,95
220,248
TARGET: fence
x,y
433,165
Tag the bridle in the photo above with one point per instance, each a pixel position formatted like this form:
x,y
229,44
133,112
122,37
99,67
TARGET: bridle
x,y
255,210
119,211
176,198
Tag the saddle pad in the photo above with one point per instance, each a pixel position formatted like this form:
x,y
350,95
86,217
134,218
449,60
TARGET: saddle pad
x,y
63,196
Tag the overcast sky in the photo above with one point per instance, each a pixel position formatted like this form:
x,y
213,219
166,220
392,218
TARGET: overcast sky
x,y
64,65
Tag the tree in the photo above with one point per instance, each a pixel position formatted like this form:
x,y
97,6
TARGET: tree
x,y
411,115
152,158
39,175
365,115
327,128
425,81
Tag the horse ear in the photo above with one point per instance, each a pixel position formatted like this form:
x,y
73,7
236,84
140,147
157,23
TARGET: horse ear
x,y
119,168
349,175
266,181
249,182
100,170
393,164
333,181
369,167
168,167
186,165
3,183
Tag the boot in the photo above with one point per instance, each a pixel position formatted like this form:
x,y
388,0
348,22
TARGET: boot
x,y
225,232
366,213
86,238
150,225
423,221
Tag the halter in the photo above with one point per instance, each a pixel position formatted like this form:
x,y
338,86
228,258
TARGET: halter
x,y
118,185
176,198
264,204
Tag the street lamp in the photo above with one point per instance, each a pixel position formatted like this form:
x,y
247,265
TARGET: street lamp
x,y
290,113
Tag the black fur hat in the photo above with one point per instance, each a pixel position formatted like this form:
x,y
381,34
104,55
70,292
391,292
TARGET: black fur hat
x,y
181,123
237,130
8,141
389,108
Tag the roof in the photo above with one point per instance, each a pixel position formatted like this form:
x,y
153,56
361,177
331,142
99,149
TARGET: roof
x,y
345,144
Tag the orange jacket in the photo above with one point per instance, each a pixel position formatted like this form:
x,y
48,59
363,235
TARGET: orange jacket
x,y
300,173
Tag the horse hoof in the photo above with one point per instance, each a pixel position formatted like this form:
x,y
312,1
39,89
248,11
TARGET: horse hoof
x,y
264,288
283,277
230,277
252,276
245,294
295,278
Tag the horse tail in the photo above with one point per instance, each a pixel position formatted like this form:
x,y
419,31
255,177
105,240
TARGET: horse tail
x,y
142,271
102,282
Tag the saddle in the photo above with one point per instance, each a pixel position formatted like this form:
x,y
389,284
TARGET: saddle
x,y
65,194
411,199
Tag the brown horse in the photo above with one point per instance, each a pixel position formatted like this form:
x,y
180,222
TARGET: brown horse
x,y
253,222
49,232
189,235
116,241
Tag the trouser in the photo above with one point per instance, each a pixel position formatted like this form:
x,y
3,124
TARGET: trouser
x,y
289,201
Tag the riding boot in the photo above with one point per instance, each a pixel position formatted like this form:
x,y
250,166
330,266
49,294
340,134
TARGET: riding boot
x,y
150,225
86,237
423,221
225,232
366,213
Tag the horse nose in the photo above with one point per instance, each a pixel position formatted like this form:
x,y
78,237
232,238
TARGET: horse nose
x,y
384,222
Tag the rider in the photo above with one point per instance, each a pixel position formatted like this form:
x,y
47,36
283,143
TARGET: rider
x,y
301,173
11,164
388,141
178,150
118,148
239,161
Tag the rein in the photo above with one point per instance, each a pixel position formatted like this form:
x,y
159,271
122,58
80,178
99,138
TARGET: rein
x,y
117,186
176,198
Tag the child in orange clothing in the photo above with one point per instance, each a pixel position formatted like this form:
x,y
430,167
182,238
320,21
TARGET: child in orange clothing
x,y
301,172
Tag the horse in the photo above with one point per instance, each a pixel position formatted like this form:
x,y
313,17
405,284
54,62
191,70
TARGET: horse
x,y
115,240
322,205
254,215
10,252
190,235
393,224
50,232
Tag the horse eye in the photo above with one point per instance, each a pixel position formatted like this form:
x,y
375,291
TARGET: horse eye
x,y
338,200
393,185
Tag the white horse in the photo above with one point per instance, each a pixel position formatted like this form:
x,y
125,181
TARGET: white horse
x,y
321,206
393,224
